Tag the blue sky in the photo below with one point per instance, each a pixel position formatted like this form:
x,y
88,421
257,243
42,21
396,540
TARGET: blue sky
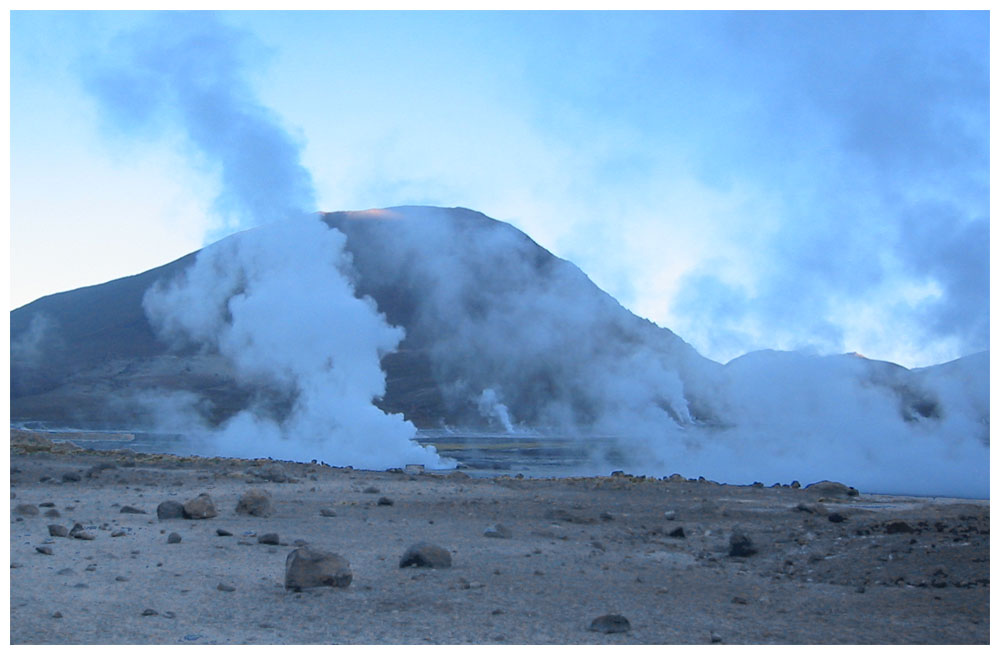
x,y
750,180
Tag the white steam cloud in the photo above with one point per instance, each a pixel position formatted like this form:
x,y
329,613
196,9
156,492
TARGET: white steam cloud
x,y
275,302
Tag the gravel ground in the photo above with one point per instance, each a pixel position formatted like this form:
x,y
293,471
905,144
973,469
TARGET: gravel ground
x,y
885,570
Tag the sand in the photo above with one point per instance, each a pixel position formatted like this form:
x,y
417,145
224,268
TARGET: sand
x,y
895,571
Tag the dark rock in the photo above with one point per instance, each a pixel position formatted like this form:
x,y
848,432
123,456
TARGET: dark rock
x,y
224,587
57,614
118,533
306,567
128,509
44,550
53,514
256,502
58,531
795,484
833,489
71,477
77,532
371,490
497,531
26,510
836,517
898,526
739,600
327,512
610,624
425,554
200,507
173,538
677,533
740,545
384,501
223,533
46,504
169,509
271,539
149,612
714,637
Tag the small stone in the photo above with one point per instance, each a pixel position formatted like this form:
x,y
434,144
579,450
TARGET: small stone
x,y
169,509
52,514
224,587
327,512
71,477
223,533
173,538
271,539
149,612
384,501
57,614
497,531
715,637
306,567
677,533
128,509
256,502
898,526
58,530
739,600
44,550
46,504
371,490
670,515
200,507
118,533
121,578
26,510
425,554
610,624
740,545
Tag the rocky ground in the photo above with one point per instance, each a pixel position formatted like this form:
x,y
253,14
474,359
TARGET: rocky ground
x,y
612,560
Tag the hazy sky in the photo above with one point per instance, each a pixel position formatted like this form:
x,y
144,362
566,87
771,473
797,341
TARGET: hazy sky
x,y
749,180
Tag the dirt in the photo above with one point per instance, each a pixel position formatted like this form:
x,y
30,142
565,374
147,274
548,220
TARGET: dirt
x,y
895,570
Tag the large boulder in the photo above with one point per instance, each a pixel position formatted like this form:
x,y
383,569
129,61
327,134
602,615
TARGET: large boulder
x,y
307,567
832,489
201,507
426,555
256,502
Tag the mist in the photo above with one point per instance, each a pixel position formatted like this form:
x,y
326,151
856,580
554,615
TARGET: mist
x,y
276,302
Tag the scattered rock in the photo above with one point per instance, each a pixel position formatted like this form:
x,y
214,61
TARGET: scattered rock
x,y
200,507
384,501
327,512
118,533
273,473
610,624
740,545
306,567
371,490
223,533
58,531
271,539
678,533
44,550
46,504
426,554
224,587
715,637
53,514
739,600
670,515
256,502
128,509
836,517
77,532
71,477
149,612
57,614
813,508
173,538
169,509
497,531
26,510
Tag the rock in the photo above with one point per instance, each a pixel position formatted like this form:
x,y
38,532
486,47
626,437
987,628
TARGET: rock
x,y
169,509
71,477
53,514
58,531
740,545
57,614
796,484
371,490
677,533
497,531
384,501
173,538
224,587
327,512
714,637
200,507
77,532
26,510
46,504
273,473
739,600
670,515
898,526
610,624
128,509
271,539
223,533
149,612
118,533
425,554
44,550
836,517
256,502
95,470
833,489
307,567
814,508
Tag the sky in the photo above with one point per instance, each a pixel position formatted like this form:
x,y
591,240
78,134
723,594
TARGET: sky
x,y
815,181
